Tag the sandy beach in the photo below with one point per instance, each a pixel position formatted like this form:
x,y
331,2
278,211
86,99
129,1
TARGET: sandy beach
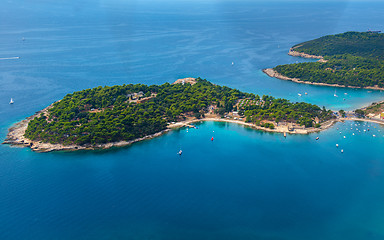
x,y
363,120
16,133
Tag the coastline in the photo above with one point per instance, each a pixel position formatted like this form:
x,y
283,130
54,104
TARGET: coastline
x,y
294,53
15,136
278,129
362,120
272,73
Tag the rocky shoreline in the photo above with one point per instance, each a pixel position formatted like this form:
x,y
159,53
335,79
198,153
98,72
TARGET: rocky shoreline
x,y
16,137
272,73
294,53
16,133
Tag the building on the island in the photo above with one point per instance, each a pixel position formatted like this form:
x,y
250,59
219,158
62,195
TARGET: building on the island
x,y
370,115
382,115
373,31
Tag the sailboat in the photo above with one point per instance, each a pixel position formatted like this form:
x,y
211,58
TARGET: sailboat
x,y
11,102
335,93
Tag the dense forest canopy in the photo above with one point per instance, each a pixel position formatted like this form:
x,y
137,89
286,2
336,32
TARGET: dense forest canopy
x,y
352,59
127,112
361,44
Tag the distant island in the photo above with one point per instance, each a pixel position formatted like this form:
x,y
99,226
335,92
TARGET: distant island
x,y
105,117
351,59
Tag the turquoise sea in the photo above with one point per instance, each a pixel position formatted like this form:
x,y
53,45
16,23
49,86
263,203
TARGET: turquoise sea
x,y
246,184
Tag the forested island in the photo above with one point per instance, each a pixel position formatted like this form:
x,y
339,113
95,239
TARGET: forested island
x,y
351,59
96,118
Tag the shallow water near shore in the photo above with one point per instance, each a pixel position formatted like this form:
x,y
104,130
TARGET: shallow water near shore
x,y
245,184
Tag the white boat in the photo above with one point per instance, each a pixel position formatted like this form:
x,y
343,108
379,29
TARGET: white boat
x,y
180,152
299,94
335,94
337,145
233,63
342,151
11,102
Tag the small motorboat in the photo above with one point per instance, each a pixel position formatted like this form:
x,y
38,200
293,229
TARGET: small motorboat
x,y
180,152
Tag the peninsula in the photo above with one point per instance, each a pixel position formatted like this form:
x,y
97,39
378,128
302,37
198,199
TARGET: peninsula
x,y
351,59
105,117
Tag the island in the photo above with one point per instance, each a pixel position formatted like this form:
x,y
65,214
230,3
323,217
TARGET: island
x,y
351,59
105,117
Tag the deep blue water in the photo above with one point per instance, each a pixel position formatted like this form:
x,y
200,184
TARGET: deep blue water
x,y
246,184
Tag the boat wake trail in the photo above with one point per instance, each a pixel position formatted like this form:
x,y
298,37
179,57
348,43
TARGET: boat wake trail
x,y
9,58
